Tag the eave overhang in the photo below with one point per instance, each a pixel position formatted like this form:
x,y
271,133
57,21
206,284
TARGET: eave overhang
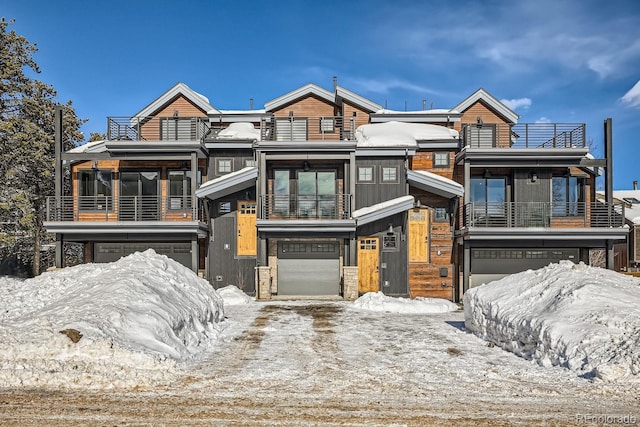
x,y
435,184
305,146
541,234
228,184
382,210
156,147
420,117
531,157
306,226
129,228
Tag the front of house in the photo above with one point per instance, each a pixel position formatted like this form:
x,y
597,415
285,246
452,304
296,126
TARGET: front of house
x,y
325,193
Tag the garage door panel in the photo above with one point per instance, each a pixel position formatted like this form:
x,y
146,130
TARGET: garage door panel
x,y
308,277
110,252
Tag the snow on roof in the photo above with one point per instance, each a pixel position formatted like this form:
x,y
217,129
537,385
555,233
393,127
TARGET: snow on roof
x,y
400,134
437,111
632,209
435,183
584,318
240,112
229,183
93,146
240,130
382,210
135,321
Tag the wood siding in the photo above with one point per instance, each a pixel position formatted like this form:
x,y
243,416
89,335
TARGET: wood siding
x,y
489,116
150,130
313,109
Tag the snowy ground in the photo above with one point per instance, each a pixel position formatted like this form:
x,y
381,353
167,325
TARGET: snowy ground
x,y
289,363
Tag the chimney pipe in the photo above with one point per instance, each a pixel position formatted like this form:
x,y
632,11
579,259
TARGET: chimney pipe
x,y
250,103
335,83
424,104
635,185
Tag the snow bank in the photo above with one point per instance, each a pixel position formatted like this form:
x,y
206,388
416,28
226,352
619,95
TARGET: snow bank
x,y
584,318
377,301
136,320
231,295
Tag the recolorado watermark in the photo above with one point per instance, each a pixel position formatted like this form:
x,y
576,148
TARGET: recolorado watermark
x,y
604,419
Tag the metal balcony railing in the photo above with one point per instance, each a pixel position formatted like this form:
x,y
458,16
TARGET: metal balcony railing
x,y
524,135
542,214
125,208
308,128
154,128
291,206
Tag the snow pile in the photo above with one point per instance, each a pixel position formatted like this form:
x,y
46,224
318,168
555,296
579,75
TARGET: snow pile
x,y
232,295
584,318
126,323
377,301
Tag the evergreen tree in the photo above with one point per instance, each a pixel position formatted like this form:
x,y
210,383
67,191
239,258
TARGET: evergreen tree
x,y
27,151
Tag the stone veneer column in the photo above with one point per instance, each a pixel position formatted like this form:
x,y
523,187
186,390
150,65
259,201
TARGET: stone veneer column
x,y
350,282
264,282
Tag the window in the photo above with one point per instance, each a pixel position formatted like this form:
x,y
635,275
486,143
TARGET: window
x,y
180,188
224,166
95,189
327,125
565,196
390,242
488,196
441,159
291,129
224,207
441,215
365,174
389,174
249,163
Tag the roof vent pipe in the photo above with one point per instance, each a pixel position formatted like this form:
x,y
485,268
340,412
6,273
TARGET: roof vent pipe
x,y
635,185
250,103
335,83
424,104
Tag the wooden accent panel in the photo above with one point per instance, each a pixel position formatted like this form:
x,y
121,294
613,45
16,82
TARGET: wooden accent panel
x,y
425,281
246,243
569,222
185,108
368,264
423,160
312,108
418,235
362,117
489,116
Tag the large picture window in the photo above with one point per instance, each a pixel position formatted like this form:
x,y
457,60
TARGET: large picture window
x,y
488,196
95,189
565,196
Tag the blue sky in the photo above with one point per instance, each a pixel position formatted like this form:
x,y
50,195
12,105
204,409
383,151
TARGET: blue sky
x,y
558,61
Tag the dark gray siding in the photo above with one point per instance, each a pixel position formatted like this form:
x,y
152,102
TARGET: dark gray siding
x,y
377,191
527,190
238,158
393,265
225,268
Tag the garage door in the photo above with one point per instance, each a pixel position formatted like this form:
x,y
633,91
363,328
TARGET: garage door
x,y
112,251
308,268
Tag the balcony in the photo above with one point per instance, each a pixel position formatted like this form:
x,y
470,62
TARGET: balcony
x,y
118,209
308,128
291,206
542,215
154,128
524,135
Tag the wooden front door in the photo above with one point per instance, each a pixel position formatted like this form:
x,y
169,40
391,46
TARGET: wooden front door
x,y
246,243
419,235
368,264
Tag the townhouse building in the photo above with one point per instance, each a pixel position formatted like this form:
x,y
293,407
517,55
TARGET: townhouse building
x,y
326,193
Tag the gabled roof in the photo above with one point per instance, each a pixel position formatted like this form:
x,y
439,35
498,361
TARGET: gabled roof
x,y
228,184
491,101
356,99
382,210
309,89
435,184
179,89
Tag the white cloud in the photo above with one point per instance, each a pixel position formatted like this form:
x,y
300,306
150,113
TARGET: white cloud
x,y
384,86
543,120
514,104
632,97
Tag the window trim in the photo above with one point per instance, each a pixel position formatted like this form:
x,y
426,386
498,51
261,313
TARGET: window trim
x,y
437,218
96,197
390,238
373,175
438,165
218,161
388,181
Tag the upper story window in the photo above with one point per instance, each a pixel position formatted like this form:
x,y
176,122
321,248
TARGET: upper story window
x,y
441,159
291,129
95,189
180,188
389,175
224,166
565,196
489,195
365,174
480,135
249,163
440,215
